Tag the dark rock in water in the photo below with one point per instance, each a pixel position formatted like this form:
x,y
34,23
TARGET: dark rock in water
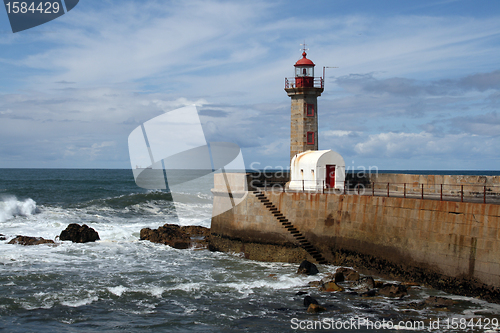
x,y
348,273
364,284
315,308
27,240
335,277
2,237
79,234
309,300
315,284
369,293
300,293
393,290
330,286
439,302
307,267
338,277
176,236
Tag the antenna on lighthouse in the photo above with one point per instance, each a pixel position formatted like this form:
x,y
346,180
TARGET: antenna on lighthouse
x,y
324,67
304,47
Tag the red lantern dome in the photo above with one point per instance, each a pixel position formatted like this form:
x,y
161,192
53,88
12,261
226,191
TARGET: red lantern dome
x,y
304,61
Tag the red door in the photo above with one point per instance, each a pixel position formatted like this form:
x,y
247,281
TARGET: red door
x,y
330,176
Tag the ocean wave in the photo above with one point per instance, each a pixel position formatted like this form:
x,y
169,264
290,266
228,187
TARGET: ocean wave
x,y
128,200
11,207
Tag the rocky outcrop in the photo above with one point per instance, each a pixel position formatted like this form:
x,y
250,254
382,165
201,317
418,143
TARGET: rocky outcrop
x,y
308,300
439,302
312,305
79,234
308,268
393,290
315,308
2,237
330,286
176,236
349,274
364,284
27,240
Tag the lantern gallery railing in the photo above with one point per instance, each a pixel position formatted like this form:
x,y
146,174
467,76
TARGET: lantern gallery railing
x,y
444,192
304,82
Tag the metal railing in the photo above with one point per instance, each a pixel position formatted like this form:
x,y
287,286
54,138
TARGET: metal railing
x,y
290,82
443,192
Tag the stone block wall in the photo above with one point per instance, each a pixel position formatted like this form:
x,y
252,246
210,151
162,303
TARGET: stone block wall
x,y
454,239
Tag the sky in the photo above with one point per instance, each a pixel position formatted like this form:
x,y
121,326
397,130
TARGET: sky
x,y
417,85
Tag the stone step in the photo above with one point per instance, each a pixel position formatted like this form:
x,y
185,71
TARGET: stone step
x,y
294,232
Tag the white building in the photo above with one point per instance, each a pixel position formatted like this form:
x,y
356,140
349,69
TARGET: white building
x,y
314,170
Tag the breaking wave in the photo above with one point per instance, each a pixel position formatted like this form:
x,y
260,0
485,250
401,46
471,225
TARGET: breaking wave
x,y
11,207
128,200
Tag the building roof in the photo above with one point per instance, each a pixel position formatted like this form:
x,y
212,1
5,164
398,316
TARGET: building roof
x,y
304,61
311,158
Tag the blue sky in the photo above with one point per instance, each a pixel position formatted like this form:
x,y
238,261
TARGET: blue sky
x,y
417,84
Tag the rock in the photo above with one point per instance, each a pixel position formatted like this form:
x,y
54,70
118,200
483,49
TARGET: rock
x,y
416,305
348,273
331,286
308,268
300,293
393,290
411,284
2,237
315,308
378,284
309,300
338,277
176,236
439,302
369,293
79,234
315,283
364,284
27,240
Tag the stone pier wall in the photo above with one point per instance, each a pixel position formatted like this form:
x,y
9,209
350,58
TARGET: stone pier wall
x,y
453,239
473,185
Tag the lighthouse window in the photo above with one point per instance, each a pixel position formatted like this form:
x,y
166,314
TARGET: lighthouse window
x,y
310,138
310,110
304,71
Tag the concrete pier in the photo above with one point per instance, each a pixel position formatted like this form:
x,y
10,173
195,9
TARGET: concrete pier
x,y
452,239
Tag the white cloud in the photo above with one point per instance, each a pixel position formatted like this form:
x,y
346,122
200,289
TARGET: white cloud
x,y
102,72
425,145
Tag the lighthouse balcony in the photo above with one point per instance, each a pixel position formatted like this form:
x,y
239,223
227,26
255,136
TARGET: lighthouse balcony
x,y
304,82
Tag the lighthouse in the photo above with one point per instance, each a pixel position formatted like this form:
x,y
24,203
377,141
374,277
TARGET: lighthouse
x,y
304,90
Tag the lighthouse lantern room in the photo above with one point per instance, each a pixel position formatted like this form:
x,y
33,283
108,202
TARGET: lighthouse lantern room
x,y
304,72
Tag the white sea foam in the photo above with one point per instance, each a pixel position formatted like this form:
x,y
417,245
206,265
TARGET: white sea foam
x,y
118,290
10,207
74,303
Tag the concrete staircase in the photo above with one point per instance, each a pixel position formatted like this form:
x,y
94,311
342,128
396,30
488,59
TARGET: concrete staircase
x,y
304,243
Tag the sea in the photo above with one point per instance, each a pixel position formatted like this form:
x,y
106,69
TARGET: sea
x,y
123,284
